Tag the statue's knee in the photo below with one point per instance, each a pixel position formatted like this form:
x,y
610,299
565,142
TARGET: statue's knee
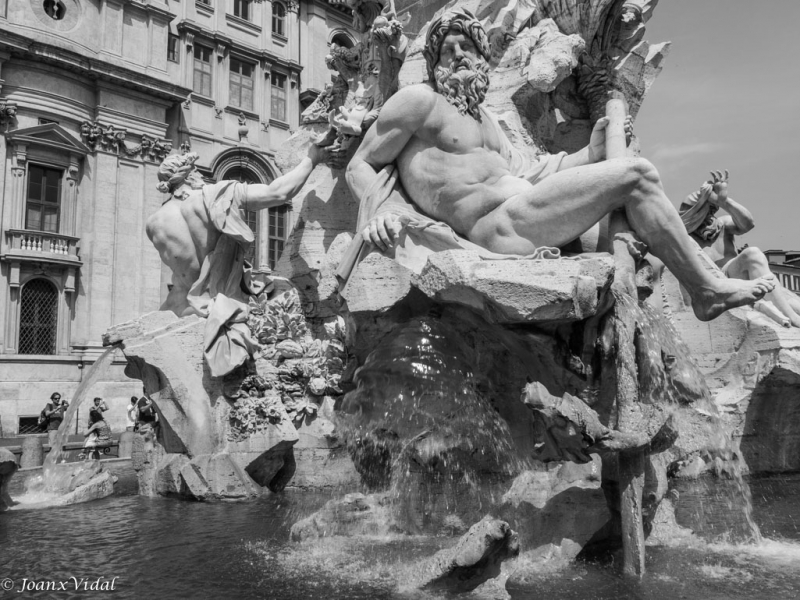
x,y
645,171
754,256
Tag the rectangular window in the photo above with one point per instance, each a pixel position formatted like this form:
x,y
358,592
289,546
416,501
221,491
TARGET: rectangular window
x,y
172,48
278,96
44,199
276,234
241,84
29,426
202,70
241,9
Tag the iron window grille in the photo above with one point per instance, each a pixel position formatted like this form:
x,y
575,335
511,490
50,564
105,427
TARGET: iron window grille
x,y
38,318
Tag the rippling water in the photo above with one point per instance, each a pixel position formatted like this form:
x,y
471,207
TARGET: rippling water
x,y
163,548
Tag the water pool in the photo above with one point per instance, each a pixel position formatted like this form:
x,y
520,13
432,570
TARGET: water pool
x,y
163,548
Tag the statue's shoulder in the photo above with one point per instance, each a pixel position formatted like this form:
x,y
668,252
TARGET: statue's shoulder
x,y
412,97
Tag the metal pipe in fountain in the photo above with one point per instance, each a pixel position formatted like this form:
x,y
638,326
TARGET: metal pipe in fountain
x,y
631,463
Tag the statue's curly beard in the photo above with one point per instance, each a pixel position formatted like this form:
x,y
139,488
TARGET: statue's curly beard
x,y
464,89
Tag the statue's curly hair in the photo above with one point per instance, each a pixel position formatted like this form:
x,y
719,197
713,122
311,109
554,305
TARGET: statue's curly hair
x,y
174,170
462,21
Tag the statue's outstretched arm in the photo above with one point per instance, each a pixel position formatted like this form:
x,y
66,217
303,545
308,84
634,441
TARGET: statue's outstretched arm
x,y
285,187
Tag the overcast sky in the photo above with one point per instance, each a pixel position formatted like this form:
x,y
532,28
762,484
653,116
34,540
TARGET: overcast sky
x,y
729,97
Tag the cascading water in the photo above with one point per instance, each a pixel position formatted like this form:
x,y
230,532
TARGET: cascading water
x,y
58,479
418,420
717,505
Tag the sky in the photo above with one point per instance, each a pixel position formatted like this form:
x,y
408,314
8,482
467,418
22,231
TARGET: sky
x,y
729,98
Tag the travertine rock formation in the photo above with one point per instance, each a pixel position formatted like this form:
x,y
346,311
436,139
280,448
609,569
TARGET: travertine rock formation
x,y
8,466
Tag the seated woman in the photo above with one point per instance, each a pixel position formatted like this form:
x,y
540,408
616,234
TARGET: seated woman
x,y
97,436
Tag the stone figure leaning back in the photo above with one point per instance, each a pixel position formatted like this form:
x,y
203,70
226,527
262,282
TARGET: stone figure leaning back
x,y
456,165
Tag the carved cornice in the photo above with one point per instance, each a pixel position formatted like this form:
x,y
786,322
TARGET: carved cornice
x,y
94,68
111,139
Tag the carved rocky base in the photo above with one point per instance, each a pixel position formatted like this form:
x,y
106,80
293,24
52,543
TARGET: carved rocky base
x,y
209,442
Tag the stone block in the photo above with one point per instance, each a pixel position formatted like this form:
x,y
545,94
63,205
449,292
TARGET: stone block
x,y
517,291
476,557
167,355
194,481
377,284
265,466
8,466
217,476
168,475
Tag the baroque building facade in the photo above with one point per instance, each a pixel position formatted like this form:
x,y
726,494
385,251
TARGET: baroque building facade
x,y
93,95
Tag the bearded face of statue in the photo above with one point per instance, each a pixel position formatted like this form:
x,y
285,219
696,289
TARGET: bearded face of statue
x,y
462,75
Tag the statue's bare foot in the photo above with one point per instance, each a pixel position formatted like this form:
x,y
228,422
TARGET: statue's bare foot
x,y
729,293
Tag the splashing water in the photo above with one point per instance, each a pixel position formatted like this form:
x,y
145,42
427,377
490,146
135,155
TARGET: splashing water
x,y
58,479
418,419
719,505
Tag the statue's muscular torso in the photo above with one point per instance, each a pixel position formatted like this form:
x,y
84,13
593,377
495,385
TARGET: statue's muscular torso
x,y
452,167
183,236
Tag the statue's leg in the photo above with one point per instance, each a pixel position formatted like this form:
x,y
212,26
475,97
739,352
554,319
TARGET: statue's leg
x,y
752,264
566,204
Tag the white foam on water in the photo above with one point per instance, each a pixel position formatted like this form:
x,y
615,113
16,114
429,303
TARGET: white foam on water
x,y
775,555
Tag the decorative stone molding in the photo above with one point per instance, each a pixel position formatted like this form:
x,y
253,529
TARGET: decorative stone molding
x,y
109,138
188,102
20,157
189,40
292,6
222,51
8,112
186,146
243,129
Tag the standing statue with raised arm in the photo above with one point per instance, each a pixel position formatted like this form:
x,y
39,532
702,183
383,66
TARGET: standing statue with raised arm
x,y
455,165
200,234
716,234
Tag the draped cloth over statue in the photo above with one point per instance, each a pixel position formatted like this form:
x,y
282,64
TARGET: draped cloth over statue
x,y
421,235
698,214
220,293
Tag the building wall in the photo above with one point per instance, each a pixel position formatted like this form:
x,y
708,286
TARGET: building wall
x,y
93,90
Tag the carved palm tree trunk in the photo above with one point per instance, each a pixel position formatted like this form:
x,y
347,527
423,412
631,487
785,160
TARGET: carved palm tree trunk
x,y
631,463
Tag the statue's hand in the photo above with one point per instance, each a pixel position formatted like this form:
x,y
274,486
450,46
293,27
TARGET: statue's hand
x,y
719,187
383,230
628,130
317,154
597,143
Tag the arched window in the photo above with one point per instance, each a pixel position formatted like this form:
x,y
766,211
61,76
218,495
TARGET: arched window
x,y
277,225
250,216
38,318
278,19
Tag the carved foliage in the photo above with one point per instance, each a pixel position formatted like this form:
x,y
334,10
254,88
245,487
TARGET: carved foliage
x,y
109,138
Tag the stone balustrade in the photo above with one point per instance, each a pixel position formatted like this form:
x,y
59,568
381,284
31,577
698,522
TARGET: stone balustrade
x,y
48,244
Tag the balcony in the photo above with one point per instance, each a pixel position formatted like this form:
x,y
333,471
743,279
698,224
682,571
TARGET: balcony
x,y
39,246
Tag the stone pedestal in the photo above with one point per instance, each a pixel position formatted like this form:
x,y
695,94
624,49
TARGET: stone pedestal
x,y
32,453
